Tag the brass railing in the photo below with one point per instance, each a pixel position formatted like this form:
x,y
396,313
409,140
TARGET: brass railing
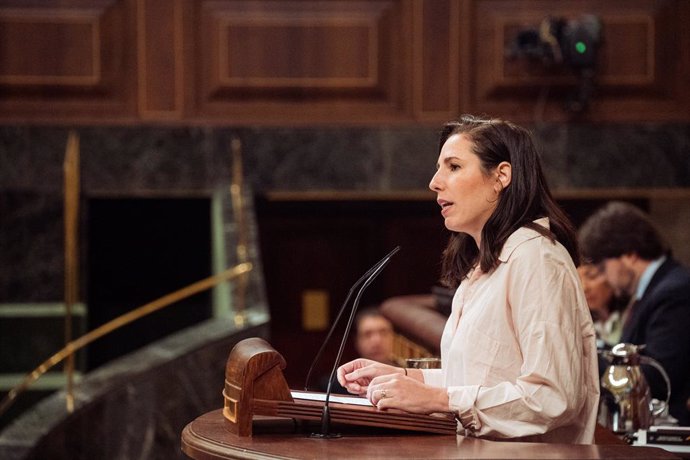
x,y
71,217
71,213
240,218
122,320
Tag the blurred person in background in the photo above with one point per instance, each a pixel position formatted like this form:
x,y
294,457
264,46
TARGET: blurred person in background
x,y
606,308
637,261
374,338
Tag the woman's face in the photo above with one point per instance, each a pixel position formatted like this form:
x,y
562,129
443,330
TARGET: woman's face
x,y
466,194
597,290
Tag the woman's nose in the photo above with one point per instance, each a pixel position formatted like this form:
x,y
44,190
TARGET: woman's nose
x,y
434,185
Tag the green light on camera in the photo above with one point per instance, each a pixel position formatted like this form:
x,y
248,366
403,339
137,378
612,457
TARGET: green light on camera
x,y
580,47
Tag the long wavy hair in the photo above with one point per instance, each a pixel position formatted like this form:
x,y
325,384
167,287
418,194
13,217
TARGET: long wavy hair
x,y
524,200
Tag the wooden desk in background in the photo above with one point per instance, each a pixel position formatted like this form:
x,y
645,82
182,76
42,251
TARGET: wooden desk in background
x,y
208,438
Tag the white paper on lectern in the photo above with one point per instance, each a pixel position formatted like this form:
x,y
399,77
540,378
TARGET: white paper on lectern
x,y
356,400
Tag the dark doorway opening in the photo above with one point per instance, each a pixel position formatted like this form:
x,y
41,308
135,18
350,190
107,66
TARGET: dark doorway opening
x,y
140,249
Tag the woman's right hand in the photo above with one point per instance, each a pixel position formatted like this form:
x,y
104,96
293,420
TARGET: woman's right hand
x,y
356,375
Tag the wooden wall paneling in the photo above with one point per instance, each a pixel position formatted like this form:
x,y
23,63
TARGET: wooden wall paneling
x,y
308,250
327,246
465,28
417,229
302,61
160,54
642,61
684,39
67,60
436,59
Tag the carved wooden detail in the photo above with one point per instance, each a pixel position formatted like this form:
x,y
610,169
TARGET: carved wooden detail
x,y
160,51
328,61
75,62
338,60
642,59
436,59
59,58
332,52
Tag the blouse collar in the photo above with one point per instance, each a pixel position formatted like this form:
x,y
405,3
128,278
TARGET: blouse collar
x,y
520,236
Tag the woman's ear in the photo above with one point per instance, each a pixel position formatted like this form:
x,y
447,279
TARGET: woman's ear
x,y
504,173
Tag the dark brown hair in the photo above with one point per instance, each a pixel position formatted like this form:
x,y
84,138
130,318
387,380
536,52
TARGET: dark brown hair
x,y
618,229
524,200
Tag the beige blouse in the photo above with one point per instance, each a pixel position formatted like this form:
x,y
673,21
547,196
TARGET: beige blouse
x,y
518,350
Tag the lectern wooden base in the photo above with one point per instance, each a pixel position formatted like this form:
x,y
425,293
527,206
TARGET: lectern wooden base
x,y
208,438
254,385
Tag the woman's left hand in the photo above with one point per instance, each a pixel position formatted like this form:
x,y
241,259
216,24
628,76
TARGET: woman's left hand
x,y
400,392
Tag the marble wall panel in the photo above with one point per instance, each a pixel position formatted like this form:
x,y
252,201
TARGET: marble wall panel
x,y
132,161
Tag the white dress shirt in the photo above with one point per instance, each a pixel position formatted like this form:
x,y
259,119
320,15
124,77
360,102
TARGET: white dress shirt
x,y
518,350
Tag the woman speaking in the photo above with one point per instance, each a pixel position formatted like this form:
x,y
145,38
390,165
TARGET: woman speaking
x,y
518,350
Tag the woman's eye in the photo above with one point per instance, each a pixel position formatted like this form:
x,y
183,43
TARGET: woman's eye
x,y
454,167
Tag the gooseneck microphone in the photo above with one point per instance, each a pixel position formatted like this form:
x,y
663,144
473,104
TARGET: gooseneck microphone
x,y
368,278
342,310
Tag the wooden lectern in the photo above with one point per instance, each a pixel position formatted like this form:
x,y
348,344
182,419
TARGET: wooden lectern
x,y
255,385
255,388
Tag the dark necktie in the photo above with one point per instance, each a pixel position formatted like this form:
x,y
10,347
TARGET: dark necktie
x,y
629,312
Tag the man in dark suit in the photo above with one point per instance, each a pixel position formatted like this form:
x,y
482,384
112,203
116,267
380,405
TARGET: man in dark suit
x,y
637,262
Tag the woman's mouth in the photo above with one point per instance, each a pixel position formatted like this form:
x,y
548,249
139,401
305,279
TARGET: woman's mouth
x,y
445,206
